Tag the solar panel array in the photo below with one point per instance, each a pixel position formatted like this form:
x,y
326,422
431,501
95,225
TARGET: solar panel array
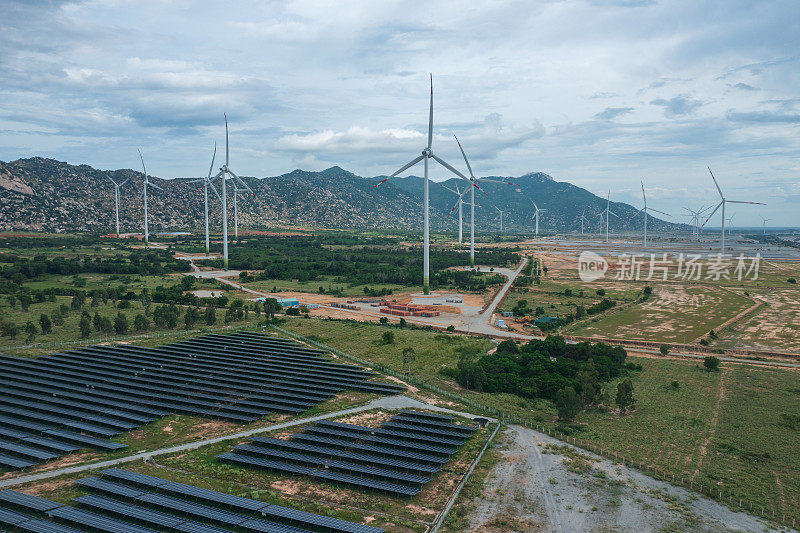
x,y
397,457
121,501
57,404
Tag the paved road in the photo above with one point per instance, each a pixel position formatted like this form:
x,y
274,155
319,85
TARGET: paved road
x,y
386,402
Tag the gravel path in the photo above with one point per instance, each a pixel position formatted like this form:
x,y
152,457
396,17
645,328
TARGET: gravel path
x,y
540,484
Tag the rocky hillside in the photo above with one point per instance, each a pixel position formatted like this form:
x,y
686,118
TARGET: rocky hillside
x,y
47,195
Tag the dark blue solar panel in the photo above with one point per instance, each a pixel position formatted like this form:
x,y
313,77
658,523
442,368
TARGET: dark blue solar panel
x,y
96,521
26,501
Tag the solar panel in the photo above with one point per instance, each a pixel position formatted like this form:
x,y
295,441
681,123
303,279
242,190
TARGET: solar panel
x,y
191,508
10,518
96,521
10,433
265,526
128,510
37,525
365,482
264,463
327,522
109,487
52,444
87,440
197,527
26,501
26,451
133,477
14,462
212,496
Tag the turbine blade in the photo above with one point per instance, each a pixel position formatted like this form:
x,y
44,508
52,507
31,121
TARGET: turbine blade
x,y
143,167
449,189
213,157
712,213
616,215
643,196
430,118
124,182
715,183
657,211
214,190
240,180
465,157
740,202
227,148
402,169
448,166
154,185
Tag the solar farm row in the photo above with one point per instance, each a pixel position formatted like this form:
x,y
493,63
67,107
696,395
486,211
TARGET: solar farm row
x,y
397,457
57,404
121,501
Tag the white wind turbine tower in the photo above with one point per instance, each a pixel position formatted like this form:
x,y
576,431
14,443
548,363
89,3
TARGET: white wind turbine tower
x,y
223,173
144,196
722,205
473,184
207,183
460,204
763,225
695,216
583,219
536,215
427,154
646,210
117,187
607,211
501,217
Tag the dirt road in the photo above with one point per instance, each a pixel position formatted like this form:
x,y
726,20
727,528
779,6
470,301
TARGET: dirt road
x,y
540,484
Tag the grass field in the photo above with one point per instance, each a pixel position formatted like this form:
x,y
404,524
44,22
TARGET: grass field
x,y
726,429
672,314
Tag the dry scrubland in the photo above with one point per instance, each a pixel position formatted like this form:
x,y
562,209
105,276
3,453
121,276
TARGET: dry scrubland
x,y
735,430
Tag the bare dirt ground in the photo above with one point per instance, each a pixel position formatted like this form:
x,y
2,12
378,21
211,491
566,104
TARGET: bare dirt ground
x,y
542,485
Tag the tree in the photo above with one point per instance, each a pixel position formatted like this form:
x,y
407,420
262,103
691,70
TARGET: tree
x,y
590,385
387,337
140,322
211,316
12,301
384,320
9,329
77,301
711,363
45,324
85,327
600,292
58,318
31,330
664,349
403,322
24,301
409,357
568,404
191,317
625,399
121,323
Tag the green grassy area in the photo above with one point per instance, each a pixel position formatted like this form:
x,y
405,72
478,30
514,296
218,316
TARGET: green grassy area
x,y
734,437
328,283
672,314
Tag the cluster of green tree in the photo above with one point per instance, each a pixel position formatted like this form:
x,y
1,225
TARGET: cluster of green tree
x,y
603,305
311,258
143,262
541,368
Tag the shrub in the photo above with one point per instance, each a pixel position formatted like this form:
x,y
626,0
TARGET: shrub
x,y
387,337
625,399
85,327
711,363
121,323
675,385
45,324
451,328
140,322
568,404
600,292
793,281
664,349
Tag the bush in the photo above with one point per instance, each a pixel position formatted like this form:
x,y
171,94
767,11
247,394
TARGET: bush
x,y
568,404
45,324
85,327
711,363
141,323
600,292
793,281
648,290
387,337
30,330
121,323
664,349
625,399
675,385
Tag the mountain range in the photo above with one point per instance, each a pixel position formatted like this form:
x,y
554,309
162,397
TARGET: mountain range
x,y
39,194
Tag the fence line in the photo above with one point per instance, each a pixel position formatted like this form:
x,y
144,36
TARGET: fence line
x,y
686,480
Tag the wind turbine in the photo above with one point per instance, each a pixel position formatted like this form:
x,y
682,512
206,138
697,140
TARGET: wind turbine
x,y
144,196
460,204
644,211
583,219
473,181
536,215
695,216
607,211
722,204
764,224
427,154
223,173
207,182
501,217
236,191
117,186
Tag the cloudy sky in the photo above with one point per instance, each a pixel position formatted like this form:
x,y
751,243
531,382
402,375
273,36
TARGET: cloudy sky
x,y
601,93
